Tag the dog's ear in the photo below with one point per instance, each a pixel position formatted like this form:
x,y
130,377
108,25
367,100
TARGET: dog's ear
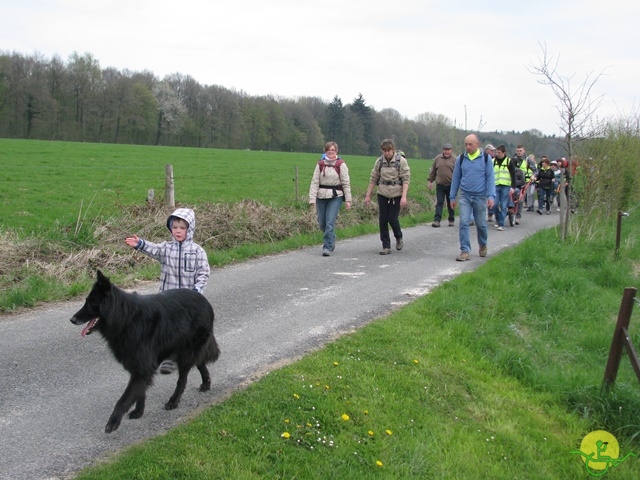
x,y
103,282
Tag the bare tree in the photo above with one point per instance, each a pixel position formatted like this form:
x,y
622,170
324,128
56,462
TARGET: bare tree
x,y
576,107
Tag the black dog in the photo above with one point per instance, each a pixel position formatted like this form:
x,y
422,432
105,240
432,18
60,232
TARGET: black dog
x,y
144,330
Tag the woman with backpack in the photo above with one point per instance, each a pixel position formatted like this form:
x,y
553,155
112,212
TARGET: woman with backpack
x,y
391,175
330,186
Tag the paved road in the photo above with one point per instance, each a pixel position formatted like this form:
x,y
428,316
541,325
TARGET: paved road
x,y
58,389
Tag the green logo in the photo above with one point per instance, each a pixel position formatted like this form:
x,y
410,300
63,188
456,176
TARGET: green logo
x,y
599,451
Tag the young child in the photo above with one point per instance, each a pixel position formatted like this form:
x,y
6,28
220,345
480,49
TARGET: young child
x,y
183,263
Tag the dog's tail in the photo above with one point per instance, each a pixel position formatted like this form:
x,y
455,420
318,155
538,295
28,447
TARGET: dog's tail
x,y
209,353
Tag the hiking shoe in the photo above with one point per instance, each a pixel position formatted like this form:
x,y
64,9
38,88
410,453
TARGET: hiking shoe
x,y
500,229
167,366
548,212
435,224
451,223
385,251
517,222
483,250
472,223
399,244
463,257
539,212
326,252
490,219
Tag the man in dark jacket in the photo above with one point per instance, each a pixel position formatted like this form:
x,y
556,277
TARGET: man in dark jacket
x,y
441,172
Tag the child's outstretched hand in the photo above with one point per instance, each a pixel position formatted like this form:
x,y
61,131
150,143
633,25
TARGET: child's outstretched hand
x,y
132,241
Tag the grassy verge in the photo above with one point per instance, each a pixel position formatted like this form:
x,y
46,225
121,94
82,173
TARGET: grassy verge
x,y
35,270
495,374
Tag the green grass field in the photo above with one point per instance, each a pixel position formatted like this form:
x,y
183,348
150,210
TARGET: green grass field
x,y
67,207
46,186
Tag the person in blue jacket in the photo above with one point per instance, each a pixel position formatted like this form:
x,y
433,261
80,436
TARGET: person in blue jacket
x,y
473,186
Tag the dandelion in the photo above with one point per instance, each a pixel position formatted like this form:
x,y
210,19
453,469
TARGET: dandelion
x,y
345,417
366,412
379,463
286,420
296,396
335,364
416,362
388,432
326,387
370,432
286,435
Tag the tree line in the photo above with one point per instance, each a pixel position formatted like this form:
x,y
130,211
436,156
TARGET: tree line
x,y
77,100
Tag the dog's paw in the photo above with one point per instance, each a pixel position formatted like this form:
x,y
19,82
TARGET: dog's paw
x,y
135,414
170,405
112,425
205,387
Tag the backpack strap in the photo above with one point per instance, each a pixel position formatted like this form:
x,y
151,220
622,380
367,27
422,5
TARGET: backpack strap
x,y
322,164
398,157
461,157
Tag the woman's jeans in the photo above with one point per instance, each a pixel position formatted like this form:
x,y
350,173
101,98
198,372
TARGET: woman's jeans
x,y
327,214
544,199
472,208
389,213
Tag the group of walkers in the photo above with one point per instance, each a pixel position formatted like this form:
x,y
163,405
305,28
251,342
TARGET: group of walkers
x,y
330,186
486,184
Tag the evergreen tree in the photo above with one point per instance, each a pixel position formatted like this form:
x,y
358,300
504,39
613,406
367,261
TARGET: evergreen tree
x,y
364,114
334,124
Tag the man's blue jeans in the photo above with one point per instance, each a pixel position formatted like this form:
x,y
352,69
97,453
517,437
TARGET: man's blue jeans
x,y
327,214
472,207
501,204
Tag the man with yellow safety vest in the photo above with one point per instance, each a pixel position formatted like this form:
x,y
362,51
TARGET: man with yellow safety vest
x,y
504,172
529,168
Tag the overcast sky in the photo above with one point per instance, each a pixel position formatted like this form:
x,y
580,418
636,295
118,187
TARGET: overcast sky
x,y
415,56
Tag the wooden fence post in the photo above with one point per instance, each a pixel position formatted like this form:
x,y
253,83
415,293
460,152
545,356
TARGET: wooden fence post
x,y
169,186
295,179
621,340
